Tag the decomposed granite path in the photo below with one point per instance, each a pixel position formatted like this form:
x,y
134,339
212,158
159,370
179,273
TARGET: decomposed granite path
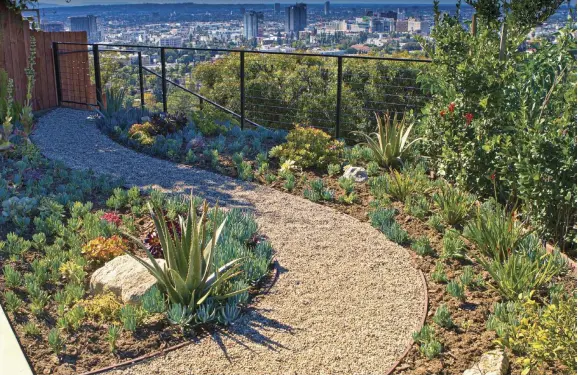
x,y
347,299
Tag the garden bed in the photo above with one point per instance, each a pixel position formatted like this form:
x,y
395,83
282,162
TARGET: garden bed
x,y
468,336
50,217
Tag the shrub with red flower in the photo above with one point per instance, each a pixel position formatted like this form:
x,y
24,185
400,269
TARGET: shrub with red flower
x,y
469,117
112,217
452,107
442,113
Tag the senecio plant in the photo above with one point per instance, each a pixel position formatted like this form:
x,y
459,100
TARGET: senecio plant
x,y
189,276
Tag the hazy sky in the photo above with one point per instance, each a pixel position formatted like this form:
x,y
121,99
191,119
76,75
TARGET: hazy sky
x,y
109,2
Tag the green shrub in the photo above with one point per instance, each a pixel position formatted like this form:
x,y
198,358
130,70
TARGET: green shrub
x,y
453,204
333,169
309,147
439,273
422,246
289,183
417,206
453,246
112,336
467,276
153,301
539,335
55,341
347,184
13,302
31,329
456,290
384,220
12,278
429,346
435,222
317,191
442,317
129,316
228,313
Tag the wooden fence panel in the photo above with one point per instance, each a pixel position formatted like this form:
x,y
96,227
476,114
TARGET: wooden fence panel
x,y
15,36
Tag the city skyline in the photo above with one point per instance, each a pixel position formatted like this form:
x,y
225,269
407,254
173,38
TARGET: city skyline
x,y
236,2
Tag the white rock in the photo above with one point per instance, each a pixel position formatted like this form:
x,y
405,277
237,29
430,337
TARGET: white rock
x,y
494,362
358,173
125,277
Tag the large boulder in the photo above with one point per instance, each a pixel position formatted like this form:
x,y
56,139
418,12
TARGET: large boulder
x,y
494,362
125,277
358,173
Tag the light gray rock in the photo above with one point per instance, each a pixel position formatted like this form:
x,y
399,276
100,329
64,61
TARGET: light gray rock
x,y
494,362
358,173
125,277
144,119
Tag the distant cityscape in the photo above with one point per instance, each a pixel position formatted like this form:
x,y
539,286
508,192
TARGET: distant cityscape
x,y
322,28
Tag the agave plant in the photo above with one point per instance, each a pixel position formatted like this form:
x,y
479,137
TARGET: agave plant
x,y
189,276
114,102
390,144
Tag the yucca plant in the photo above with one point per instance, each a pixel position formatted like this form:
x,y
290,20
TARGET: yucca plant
x,y
390,144
189,276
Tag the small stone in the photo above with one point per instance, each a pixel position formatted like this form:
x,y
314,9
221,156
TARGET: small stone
x,y
144,119
125,277
196,143
358,173
494,362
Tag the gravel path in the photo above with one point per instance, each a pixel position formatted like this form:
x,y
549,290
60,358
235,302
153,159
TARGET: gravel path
x,y
347,299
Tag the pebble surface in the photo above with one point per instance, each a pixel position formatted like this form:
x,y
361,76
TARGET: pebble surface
x,y
347,299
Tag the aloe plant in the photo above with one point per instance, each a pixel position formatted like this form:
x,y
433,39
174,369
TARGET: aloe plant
x,y
189,276
390,144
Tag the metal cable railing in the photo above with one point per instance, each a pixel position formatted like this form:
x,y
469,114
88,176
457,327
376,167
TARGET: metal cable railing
x,y
335,93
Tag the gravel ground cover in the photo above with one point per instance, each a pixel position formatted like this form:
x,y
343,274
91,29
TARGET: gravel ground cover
x,y
347,299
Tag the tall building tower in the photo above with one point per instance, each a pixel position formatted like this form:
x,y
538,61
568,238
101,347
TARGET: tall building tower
x,y
251,24
326,8
295,18
277,8
88,24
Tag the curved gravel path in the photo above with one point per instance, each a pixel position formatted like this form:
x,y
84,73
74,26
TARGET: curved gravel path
x,y
347,299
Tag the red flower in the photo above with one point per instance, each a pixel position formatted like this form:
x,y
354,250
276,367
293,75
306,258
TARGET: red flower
x,y
113,218
442,113
469,117
452,107
493,177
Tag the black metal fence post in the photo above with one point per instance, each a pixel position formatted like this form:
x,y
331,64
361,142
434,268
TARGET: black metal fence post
x,y
242,77
164,78
339,87
57,72
141,82
97,78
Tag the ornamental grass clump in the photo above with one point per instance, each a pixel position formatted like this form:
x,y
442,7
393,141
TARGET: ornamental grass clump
x,y
190,275
453,204
495,232
389,145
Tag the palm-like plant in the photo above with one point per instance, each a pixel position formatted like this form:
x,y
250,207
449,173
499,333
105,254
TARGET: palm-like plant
x,y
390,144
189,275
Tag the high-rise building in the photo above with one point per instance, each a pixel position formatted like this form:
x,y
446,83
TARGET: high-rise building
x,y
277,8
389,14
401,26
295,18
376,25
171,41
242,10
88,24
326,8
52,26
251,24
